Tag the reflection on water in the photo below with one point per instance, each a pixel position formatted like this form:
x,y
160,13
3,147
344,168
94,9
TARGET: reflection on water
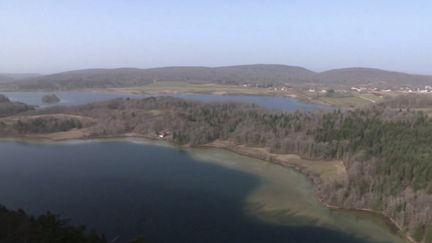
x,y
199,195
69,98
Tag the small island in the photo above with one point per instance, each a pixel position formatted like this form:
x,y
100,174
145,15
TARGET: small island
x,y
50,99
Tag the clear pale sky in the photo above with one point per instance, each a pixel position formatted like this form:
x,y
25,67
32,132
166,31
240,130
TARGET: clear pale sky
x,y
56,35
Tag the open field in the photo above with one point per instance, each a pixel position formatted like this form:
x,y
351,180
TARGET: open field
x,y
172,87
352,101
356,100
371,97
162,87
324,169
427,111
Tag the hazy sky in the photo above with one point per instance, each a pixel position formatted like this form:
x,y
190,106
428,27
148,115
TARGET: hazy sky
x,y
50,36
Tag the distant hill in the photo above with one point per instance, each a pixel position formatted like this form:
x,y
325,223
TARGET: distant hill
x,y
260,74
5,79
11,77
371,76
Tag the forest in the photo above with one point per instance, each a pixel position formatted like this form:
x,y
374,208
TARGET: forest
x,y
16,226
386,151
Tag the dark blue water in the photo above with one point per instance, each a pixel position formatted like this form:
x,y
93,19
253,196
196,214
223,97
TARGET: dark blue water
x,y
271,102
124,190
69,98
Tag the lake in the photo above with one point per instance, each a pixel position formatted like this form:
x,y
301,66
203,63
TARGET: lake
x,y
131,187
69,98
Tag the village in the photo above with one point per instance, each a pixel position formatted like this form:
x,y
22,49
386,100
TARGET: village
x,y
338,95
287,88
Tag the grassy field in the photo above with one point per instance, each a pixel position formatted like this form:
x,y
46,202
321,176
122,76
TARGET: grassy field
x,y
162,87
427,111
371,97
170,87
358,100
326,170
352,101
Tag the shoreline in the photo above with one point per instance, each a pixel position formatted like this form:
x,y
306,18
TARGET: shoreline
x,y
295,97
250,152
316,182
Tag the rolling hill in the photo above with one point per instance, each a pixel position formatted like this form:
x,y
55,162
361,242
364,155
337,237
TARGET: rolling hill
x,y
371,76
5,79
260,74
12,77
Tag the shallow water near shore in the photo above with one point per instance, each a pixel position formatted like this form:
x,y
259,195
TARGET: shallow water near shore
x,y
132,187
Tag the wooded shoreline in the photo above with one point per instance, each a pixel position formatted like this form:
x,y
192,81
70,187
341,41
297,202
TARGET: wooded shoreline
x,y
250,152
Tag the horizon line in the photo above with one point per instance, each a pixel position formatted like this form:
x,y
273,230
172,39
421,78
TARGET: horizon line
x,y
219,66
